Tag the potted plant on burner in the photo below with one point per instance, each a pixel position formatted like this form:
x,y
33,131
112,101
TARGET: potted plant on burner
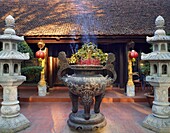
x,y
89,54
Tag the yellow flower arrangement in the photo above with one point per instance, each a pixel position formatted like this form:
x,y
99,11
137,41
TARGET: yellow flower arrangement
x,y
89,54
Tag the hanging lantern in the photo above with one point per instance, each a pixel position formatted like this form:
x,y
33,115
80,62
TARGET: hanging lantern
x,y
133,55
40,54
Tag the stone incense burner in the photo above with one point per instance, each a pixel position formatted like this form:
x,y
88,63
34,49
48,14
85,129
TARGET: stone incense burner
x,y
85,83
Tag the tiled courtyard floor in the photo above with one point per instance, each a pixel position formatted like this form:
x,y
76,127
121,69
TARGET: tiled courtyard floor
x,y
51,117
49,114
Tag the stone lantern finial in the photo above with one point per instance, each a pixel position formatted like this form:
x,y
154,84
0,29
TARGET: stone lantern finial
x,y
9,21
160,22
10,24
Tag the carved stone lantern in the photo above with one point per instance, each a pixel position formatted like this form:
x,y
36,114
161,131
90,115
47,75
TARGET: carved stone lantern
x,y
159,78
11,120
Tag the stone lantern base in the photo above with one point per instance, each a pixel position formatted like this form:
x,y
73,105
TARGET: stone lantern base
x,y
42,90
156,124
130,90
14,124
11,120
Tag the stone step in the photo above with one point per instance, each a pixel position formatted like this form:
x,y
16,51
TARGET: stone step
x,y
60,94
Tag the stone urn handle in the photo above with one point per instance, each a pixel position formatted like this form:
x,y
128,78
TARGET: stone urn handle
x,y
63,65
109,67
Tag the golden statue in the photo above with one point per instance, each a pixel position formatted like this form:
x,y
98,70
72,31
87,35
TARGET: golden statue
x,y
130,73
42,85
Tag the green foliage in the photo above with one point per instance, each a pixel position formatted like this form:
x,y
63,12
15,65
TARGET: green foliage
x,y
24,48
32,73
145,68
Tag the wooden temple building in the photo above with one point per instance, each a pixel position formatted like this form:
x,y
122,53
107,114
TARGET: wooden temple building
x,y
64,25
